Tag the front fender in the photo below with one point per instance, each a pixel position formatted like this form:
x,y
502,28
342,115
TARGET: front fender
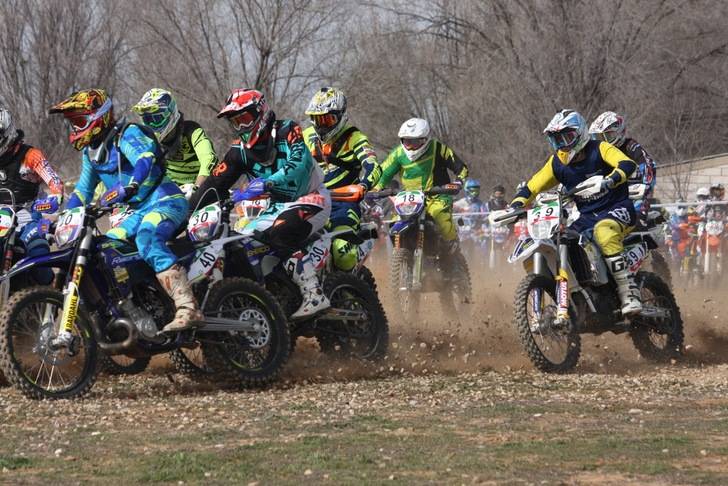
x,y
54,259
400,227
526,250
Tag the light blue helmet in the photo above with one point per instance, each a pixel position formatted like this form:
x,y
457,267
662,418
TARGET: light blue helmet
x,y
567,132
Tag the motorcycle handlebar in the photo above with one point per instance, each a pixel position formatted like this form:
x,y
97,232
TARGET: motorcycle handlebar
x,y
433,191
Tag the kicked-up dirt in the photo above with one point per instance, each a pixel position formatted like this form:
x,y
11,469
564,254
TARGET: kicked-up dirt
x,y
453,403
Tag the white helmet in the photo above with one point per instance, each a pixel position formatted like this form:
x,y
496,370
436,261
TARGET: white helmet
x,y
609,127
567,133
8,133
702,192
327,110
414,135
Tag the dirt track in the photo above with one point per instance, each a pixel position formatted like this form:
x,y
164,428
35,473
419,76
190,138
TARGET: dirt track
x,y
453,403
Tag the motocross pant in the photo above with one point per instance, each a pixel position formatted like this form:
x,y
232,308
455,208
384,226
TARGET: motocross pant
x,y
609,227
33,237
344,215
286,225
439,208
152,225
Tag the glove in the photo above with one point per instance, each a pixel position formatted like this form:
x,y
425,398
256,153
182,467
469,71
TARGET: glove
x,y
607,184
188,190
516,204
256,188
118,194
49,204
36,229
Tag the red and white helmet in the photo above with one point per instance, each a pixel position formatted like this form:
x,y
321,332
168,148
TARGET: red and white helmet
x,y
609,127
249,114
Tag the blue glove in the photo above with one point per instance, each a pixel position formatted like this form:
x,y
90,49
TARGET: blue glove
x,y
118,194
34,230
256,188
49,204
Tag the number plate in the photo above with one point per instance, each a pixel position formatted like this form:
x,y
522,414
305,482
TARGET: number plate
x,y
542,219
69,225
635,255
407,203
203,223
7,220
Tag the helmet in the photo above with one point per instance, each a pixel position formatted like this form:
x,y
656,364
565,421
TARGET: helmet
x,y
472,188
717,191
8,133
702,193
681,211
414,135
158,110
499,188
249,114
327,110
608,127
567,133
89,113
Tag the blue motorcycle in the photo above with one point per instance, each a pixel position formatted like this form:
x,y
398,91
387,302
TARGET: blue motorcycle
x,y
111,301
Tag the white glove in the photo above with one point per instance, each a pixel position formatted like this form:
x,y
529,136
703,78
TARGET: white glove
x,y
590,187
188,190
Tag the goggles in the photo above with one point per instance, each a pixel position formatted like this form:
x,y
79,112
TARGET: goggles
x,y
608,136
156,120
328,120
563,140
413,143
81,121
243,121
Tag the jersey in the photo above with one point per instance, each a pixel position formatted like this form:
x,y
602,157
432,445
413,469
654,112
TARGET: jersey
x,y
132,157
22,169
600,158
429,170
191,156
646,171
343,159
289,165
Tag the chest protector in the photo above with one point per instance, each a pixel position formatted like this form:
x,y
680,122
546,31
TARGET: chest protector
x,y
10,178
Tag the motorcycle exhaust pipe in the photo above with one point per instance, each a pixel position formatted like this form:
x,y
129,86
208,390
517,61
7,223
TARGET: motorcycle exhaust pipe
x,y
123,346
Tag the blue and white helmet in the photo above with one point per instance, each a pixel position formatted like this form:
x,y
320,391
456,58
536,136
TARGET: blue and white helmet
x,y
567,132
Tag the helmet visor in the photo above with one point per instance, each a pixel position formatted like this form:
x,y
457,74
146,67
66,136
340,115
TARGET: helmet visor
x,y
563,140
413,143
244,121
328,120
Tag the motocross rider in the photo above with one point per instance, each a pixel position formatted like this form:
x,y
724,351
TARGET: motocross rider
x,y
609,213
343,152
189,152
611,128
126,158
422,162
472,203
23,168
274,150
497,199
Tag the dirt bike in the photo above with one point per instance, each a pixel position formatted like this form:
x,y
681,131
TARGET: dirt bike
x,y
356,324
416,268
111,301
568,290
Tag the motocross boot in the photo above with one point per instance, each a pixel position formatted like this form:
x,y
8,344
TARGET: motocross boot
x,y
188,315
629,294
304,275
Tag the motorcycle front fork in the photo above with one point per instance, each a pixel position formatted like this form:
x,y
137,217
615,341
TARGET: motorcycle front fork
x,y
417,260
72,296
562,287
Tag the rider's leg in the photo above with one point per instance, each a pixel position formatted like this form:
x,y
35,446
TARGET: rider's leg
x,y
609,235
344,215
292,226
33,238
439,208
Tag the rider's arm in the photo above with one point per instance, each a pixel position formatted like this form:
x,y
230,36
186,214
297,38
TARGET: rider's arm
x,y
622,165
390,168
41,168
205,152
83,193
541,181
225,173
140,152
295,174
364,153
454,163
645,165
